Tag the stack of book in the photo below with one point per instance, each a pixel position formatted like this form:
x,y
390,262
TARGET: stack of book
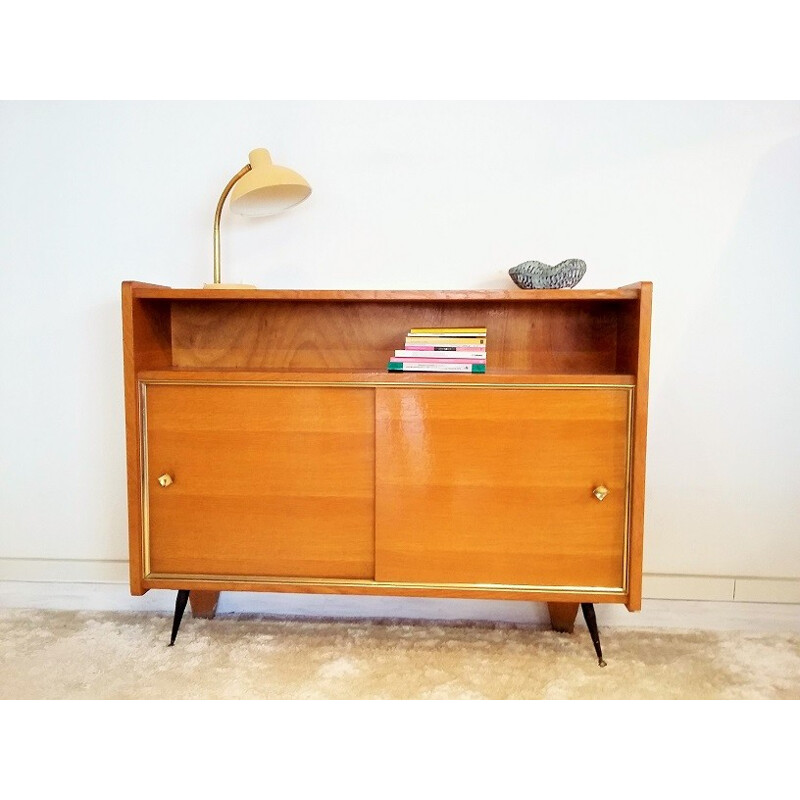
x,y
442,350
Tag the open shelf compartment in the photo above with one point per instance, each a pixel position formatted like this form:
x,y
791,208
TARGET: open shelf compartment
x,y
553,333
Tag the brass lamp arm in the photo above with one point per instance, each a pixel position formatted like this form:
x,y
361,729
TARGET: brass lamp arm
x,y
223,196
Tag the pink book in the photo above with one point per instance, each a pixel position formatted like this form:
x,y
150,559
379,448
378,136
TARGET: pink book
x,y
416,360
440,356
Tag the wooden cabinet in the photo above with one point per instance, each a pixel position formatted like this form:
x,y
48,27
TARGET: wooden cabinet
x,y
270,450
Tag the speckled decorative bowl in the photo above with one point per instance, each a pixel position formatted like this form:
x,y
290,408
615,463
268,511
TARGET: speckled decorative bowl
x,y
535,275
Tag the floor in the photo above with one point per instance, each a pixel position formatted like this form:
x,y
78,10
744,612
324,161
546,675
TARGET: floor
x,y
111,655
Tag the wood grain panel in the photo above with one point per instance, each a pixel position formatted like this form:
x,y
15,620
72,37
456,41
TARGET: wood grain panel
x,y
487,486
544,337
628,337
267,481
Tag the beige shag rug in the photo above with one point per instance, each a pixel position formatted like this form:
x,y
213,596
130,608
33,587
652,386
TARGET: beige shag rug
x,y
87,655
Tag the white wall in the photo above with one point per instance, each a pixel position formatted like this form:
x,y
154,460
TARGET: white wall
x,y
701,198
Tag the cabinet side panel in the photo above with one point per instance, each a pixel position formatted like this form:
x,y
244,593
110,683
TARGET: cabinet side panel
x,y
640,446
146,345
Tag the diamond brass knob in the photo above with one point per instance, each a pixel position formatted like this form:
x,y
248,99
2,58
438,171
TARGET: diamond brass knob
x,y
165,480
600,492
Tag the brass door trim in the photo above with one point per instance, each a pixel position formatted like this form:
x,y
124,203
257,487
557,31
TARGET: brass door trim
x,y
537,589
383,384
145,489
628,499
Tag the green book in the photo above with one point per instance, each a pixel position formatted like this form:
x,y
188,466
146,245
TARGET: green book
x,y
405,366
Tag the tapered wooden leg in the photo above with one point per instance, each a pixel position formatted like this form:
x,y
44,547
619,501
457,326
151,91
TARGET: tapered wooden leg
x,y
591,624
562,616
204,604
180,607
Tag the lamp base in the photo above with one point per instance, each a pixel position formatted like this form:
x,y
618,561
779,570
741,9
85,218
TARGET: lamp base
x,y
228,286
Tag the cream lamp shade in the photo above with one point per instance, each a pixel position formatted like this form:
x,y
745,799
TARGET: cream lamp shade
x,y
267,189
260,189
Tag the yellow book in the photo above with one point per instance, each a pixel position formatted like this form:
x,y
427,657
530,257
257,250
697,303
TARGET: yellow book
x,y
445,341
447,332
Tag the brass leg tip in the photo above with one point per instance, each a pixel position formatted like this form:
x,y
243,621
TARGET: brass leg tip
x,y
601,662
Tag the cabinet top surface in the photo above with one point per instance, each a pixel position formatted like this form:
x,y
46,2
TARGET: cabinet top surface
x,y
149,291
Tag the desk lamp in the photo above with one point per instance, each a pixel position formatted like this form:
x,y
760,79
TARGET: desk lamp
x,y
260,189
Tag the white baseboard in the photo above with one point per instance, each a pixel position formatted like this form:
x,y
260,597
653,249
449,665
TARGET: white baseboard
x,y
655,613
688,587
71,570
721,587
655,586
